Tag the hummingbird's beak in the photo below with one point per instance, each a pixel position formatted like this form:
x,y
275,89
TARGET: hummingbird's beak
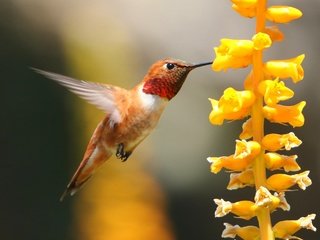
x,y
200,65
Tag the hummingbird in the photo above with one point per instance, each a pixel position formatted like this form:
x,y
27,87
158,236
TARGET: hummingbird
x,y
130,115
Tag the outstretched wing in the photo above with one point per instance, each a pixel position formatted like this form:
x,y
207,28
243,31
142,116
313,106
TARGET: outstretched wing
x,y
100,95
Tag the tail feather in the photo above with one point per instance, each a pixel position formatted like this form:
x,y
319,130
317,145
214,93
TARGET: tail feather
x,y
94,157
72,188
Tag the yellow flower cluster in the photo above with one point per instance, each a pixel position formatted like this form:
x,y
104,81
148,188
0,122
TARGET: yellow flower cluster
x,y
256,152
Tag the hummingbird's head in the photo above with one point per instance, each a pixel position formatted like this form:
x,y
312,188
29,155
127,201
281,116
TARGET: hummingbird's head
x,y
166,77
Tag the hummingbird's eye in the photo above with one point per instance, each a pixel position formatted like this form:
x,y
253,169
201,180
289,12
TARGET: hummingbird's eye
x,y
170,66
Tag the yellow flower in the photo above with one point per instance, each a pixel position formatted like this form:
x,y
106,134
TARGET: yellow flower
x,y
228,162
265,199
282,182
241,180
245,233
285,114
275,161
289,68
232,54
274,91
243,209
286,229
248,12
274,142
244,154
274,33
231,106
261,41
282,14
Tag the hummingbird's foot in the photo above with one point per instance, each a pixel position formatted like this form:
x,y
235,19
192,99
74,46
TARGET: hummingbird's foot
x,y
121,153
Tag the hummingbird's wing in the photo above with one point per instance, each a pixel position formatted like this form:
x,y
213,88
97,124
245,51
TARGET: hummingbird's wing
x,y
100,95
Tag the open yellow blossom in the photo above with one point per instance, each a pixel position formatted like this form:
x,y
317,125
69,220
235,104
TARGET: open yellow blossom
x,y
264,198
286,229
231,106
246,130
228,162
274,33
274,91
245,233
245,152
282,14
274,142
241,180
232,53
275,161
261,41
243,209
285,114
282,182
289,68
248,12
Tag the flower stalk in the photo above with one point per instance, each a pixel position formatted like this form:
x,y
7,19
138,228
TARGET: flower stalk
x,y
255,156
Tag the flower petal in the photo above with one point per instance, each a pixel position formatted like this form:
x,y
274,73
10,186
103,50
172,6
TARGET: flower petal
x,y
274,91
274,33
246,130
241,180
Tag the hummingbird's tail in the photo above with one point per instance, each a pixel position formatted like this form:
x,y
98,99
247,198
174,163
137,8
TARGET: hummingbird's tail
x,y
94,157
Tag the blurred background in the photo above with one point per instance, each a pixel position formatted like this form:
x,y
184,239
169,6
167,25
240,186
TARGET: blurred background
x,y
165,190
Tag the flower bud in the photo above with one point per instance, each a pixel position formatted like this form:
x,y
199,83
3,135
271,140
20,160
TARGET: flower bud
x,y
282,14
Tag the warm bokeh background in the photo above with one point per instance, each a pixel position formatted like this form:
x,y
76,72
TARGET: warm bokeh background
x,y
165,190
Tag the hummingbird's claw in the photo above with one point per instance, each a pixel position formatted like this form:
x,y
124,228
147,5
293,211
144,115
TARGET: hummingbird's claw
x,y
121,153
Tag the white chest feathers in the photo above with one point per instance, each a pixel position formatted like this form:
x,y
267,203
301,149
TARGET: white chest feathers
x,y
151,102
